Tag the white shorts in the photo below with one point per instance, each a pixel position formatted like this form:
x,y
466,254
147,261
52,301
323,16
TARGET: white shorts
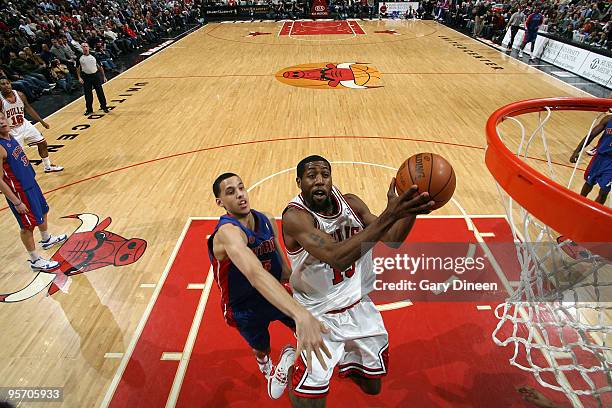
x,y
358,342
27,134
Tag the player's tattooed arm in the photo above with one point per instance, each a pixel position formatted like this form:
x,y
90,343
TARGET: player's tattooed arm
x,y
300,231
316,239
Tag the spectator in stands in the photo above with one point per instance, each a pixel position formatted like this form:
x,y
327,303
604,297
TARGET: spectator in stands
x,y
67,58
21,67
515,22
26,29
46,54
19,84
479,11
63,43
62,76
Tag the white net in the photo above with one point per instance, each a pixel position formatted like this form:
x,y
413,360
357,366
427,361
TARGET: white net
x,y
559,319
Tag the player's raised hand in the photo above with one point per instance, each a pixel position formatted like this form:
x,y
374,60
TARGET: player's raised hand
x,y
309,339
409,203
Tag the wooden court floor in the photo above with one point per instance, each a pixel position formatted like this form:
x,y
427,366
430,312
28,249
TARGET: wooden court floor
x,y
211,103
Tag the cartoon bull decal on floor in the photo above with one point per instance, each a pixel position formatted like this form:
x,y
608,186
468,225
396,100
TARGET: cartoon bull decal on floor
x,y
90,247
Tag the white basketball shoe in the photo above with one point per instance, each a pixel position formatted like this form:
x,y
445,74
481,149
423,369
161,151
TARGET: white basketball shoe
x,y
53,240
277,383
43,265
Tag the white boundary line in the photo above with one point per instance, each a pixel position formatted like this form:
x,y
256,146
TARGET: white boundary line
x,y
330,40
133,66
508,286
136,336
184,361
394,305
348,23
191,338
171,356
291,28
362,29
282,27
516,59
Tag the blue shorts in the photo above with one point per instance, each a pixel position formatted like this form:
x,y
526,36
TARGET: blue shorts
x,y
35,203
253,322
600,172
530,36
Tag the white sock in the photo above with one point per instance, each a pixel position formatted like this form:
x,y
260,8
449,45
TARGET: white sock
x,y
45,235
46,162
262,363
33,256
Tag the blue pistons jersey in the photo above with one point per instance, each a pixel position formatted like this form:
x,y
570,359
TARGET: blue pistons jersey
x,y
17,170
236,291
600,168
605,144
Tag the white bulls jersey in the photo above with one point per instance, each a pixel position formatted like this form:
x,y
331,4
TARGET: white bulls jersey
x,y
14,112
316,285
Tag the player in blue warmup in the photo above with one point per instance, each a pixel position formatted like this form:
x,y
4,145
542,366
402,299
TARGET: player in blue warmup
x,y
599,170
19,186
248,267
532,25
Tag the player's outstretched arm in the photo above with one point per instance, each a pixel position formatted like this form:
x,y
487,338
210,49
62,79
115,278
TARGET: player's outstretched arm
x,y
8,193
31,111
286,274
589,138
396,234
308,329
299,225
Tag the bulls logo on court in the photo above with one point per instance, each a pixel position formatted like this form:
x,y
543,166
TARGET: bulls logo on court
x,y
90,247
330,75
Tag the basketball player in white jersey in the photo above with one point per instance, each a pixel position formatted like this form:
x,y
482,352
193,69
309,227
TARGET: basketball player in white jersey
x,y
324,232
14,104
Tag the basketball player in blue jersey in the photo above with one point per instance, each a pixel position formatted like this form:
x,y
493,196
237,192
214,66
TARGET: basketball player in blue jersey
x,y
325,234
248,266
599,170
532,25
19,186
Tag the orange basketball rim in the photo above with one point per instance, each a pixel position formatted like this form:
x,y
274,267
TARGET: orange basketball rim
x,y
563,210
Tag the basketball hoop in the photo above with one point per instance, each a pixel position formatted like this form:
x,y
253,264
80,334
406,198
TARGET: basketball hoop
x,y
559,319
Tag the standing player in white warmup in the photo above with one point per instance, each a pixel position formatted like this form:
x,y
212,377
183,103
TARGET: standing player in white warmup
x,y
324,232
14,104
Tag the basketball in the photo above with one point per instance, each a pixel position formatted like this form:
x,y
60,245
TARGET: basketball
x,y
429,171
